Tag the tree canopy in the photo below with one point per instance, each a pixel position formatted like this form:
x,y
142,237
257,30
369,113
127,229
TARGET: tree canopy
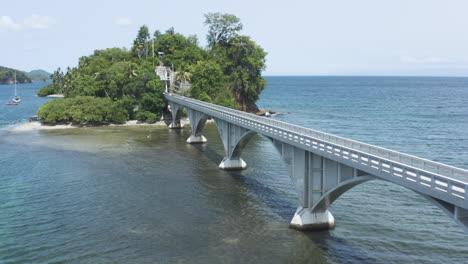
x,y
241,59
222,27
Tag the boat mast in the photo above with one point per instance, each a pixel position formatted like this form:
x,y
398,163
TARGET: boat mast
x,y
15,83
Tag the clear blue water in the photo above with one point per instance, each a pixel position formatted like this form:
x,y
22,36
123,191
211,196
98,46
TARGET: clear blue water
x,y
19,113
142,195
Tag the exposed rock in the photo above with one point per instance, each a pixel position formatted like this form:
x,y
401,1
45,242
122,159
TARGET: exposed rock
x,y
261,112
251,109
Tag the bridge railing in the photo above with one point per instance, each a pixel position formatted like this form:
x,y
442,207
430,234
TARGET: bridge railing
x,y
294,132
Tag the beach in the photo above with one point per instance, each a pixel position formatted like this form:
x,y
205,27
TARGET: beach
x,y
31,126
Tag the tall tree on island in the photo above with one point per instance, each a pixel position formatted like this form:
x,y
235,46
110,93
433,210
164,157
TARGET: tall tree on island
x,y
221,28
241,59
140,44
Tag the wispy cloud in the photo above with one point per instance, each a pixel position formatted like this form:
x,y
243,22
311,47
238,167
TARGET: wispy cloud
x,y
39,22
31,22
7,23
123,21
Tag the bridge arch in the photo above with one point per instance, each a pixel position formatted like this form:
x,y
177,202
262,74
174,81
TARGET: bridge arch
x,y
197,123
234,139
332,195
460,215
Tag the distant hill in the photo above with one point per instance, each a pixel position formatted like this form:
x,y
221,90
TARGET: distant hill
x,y
39,75
7,76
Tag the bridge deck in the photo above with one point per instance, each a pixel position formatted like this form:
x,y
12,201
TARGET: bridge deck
x,y
447,182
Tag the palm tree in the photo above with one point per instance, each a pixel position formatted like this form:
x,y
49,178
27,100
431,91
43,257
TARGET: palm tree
x,y
130,70
184,76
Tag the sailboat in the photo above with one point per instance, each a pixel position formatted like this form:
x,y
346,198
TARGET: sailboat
x,y
16,100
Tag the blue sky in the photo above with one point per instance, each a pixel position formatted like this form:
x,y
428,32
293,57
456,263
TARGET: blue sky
x,y
359,37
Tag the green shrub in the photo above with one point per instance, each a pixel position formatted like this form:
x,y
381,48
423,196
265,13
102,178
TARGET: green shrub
x,y
129,105
146,116
117,114
46,90
83,110
55,111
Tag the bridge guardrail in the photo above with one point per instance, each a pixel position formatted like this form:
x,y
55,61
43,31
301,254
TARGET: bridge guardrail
x,y
385,160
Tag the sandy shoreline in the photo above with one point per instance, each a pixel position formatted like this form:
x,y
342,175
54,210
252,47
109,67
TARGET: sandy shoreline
x,y
38,126
56,96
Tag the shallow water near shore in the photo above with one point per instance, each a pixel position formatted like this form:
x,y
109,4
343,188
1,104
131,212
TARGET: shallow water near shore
x,y
142,195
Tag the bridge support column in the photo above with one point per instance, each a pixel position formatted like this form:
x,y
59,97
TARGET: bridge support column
x,y
308,173
197,122
175,125
232,164
196,139
176,113
306,219
234,140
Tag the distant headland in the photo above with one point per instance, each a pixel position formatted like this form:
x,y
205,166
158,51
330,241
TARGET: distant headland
x,y
7,76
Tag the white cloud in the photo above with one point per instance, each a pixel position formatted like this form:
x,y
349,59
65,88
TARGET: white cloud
x,y
7,23
124,21
39,22
31,22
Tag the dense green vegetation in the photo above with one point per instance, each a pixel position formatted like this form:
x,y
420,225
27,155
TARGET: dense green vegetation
x,y
120,81
7,76
83,110
39,75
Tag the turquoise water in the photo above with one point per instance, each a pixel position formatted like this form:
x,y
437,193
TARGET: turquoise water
x,y
424,116
142,195
12,114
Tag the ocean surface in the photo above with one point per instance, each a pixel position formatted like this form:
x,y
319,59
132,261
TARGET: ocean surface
x,y
142,195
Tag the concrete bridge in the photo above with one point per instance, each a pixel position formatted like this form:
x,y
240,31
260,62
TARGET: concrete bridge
x,y
323,166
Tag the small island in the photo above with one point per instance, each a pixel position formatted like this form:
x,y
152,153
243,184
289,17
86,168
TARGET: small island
x,y
115,85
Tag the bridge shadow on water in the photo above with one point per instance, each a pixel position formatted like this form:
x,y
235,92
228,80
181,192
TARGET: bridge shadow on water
x,y
338,249
278,204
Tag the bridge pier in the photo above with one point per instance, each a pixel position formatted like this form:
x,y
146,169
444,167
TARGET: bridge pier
x,y
197,122
175,125
234,140
306,219
196,139
307,173
232,164
176,113
318,181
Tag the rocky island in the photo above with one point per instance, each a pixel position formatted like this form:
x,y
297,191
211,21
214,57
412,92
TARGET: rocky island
x,y
114,85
